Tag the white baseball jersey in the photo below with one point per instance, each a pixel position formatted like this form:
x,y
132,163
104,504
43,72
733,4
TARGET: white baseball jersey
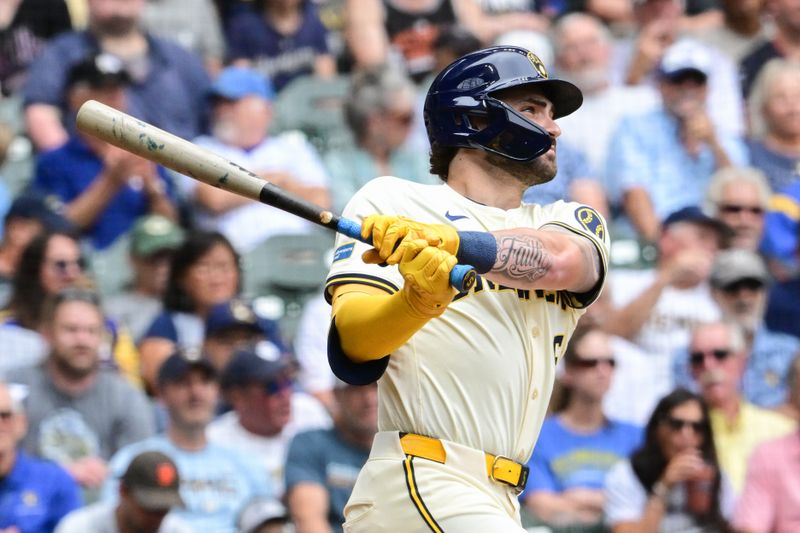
x,y
482,373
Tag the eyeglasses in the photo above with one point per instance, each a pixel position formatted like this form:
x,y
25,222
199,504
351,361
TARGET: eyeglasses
x,y
63,265
594,362
734,209
752,285
279,385
677,424
699,358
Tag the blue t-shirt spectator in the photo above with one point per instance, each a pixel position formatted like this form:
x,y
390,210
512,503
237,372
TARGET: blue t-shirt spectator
x,y
322,457
36,495
783,313
168,92
216,482
279,57
782,227
68,171
564,459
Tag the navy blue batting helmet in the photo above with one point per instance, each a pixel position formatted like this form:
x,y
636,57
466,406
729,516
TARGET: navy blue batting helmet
x,y
465,88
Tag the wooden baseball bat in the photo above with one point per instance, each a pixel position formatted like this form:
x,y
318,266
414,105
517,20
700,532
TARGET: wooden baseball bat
x,y
184,157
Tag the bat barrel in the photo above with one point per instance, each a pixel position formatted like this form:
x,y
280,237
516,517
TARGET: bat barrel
x,y
184,157
180,155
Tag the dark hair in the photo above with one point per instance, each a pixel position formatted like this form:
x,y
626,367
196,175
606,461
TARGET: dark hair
x,y
649,462
457,39
196,245
441,157
28,296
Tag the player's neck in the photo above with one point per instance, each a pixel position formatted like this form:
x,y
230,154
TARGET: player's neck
x,y
478,180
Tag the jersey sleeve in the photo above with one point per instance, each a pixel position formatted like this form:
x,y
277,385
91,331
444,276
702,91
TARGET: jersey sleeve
x,y
347,266
586,222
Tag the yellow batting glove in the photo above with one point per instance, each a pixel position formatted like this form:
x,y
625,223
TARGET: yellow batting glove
x,y
389,232
426,271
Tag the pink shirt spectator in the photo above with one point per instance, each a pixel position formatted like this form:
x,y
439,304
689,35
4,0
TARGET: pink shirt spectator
x,y
771,498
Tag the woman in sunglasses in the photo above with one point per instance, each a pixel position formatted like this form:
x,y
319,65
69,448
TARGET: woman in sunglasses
x,y
673,481
51,263
578,444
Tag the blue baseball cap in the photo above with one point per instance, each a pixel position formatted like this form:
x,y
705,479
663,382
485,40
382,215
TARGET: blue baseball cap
x,y
178,365
234,83
695,215
262,362
237,314
47,209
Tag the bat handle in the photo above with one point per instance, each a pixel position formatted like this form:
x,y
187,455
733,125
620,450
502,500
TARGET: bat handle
x,y
462,277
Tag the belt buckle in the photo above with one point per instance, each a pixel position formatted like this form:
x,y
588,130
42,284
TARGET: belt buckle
x,y
523,475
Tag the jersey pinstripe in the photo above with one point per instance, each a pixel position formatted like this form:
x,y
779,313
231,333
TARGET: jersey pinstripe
x,y
482,373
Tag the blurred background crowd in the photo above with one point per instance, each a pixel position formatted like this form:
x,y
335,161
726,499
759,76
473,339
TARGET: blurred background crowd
x,y
163,343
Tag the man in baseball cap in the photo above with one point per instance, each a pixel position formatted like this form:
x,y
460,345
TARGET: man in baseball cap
x,y
148,490
258,383
236,324
152,481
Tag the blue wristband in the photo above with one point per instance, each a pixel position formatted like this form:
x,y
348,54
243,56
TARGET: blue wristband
x,y
478,249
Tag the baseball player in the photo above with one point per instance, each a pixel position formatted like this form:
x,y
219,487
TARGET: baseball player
x,y
464,378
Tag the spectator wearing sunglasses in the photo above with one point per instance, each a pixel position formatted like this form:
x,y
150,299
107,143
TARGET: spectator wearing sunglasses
x,y
738,197
258,383
578,444
51,263
80,413
216,482
29,215
380,116
717,361
739,282
654,491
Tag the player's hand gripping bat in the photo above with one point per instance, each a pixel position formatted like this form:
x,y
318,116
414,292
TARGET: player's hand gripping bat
x,y
180,155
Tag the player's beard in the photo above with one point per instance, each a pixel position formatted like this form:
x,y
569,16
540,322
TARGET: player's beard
x,y
529,173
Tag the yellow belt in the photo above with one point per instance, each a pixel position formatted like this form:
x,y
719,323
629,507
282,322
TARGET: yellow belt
x,y
498,468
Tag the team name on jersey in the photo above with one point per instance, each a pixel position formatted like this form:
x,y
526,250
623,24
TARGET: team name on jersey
x,y
482,284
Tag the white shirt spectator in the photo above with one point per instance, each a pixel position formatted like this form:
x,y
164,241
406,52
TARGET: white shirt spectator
x,y
307,413
249,225
666,330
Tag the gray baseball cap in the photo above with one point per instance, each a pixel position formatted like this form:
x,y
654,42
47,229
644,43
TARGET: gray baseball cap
x,y
731,266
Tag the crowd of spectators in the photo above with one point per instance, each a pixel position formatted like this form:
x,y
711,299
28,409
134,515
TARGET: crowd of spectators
x,y
151,381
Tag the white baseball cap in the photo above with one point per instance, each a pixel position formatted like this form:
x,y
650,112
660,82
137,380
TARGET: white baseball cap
x,y
686,55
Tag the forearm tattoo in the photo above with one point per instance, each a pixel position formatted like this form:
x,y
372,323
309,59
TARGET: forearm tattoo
x,y
521,257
